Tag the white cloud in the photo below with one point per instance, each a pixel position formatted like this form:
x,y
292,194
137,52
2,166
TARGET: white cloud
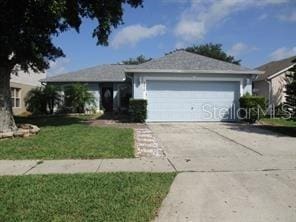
x,y
288,17
241,48
196,20
283,52
58,66
132,34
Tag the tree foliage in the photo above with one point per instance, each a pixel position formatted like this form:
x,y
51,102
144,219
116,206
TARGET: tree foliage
x,y
135,61
78,98
214,51
43,100
291,90
27,28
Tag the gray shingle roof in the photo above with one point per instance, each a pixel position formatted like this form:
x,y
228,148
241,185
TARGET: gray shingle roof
x,y
101,73
275,66
177,61
183,60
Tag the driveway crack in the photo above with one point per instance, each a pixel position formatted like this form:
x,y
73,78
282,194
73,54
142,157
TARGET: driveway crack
x,y
233,141
170,162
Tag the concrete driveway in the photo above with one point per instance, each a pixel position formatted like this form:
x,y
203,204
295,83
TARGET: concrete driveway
x,y
232,172
224,147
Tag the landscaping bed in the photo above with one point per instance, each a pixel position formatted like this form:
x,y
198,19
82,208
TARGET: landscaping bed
x,y
83,197
68,137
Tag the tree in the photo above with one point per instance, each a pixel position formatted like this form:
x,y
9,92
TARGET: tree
x,y
27,28
214,51
78,98
43,100
291,90
135,61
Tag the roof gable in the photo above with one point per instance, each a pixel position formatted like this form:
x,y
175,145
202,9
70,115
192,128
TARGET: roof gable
x,y
178,61
274,67
183,60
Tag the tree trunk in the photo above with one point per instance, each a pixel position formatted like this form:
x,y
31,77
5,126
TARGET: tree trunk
x,y
6,116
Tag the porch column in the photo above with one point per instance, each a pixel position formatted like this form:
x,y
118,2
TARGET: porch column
x,y
115,97
94,88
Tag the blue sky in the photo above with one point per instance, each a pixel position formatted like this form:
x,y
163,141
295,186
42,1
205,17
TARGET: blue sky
x,y
256,31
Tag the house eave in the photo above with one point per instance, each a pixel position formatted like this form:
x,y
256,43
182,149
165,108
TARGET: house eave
x,y
255,72
79,81
280,72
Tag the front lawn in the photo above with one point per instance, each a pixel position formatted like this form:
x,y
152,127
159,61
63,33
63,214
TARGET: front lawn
x,y
279,125
83,197
279,122
69,138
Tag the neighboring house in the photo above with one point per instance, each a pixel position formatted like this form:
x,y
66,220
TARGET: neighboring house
x,y
271,84
20,84
180,86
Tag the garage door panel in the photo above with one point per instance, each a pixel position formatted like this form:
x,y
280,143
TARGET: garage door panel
x,y
196,94
191,101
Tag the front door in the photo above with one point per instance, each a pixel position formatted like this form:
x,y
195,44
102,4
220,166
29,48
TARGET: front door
x,y
107,98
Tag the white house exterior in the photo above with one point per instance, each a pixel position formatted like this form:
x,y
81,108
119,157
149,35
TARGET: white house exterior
x,y
180,86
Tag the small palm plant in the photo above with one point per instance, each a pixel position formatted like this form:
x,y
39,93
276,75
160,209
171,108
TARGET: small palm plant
x,y
43,100
79,98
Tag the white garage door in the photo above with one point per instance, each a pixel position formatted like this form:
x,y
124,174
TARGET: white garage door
x,y
192,100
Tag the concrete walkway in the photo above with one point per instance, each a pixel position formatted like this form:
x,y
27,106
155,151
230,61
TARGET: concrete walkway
x,y
231,172
25,167
231,197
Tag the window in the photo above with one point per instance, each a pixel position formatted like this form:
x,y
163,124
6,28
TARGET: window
x,y
16,97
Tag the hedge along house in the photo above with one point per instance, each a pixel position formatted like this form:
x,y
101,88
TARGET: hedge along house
x,y
179,86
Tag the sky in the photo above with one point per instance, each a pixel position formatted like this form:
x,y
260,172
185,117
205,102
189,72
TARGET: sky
x,y
255,31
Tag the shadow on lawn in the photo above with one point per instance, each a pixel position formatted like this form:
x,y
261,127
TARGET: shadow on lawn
x,y
284,130
42,121
116,117
265,129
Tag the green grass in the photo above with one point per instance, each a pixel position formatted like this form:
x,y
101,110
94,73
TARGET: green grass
x,y
69,138
83,197
279,125
279,122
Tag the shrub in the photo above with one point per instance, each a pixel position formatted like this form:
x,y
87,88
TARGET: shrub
x,y
138,110
42,100
291,91
252,108
78,98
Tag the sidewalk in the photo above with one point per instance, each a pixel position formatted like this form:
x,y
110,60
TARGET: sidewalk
x,y
26,167
230,197
145,164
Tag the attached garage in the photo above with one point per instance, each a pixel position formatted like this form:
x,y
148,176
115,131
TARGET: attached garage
x,y
183,86
192,100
